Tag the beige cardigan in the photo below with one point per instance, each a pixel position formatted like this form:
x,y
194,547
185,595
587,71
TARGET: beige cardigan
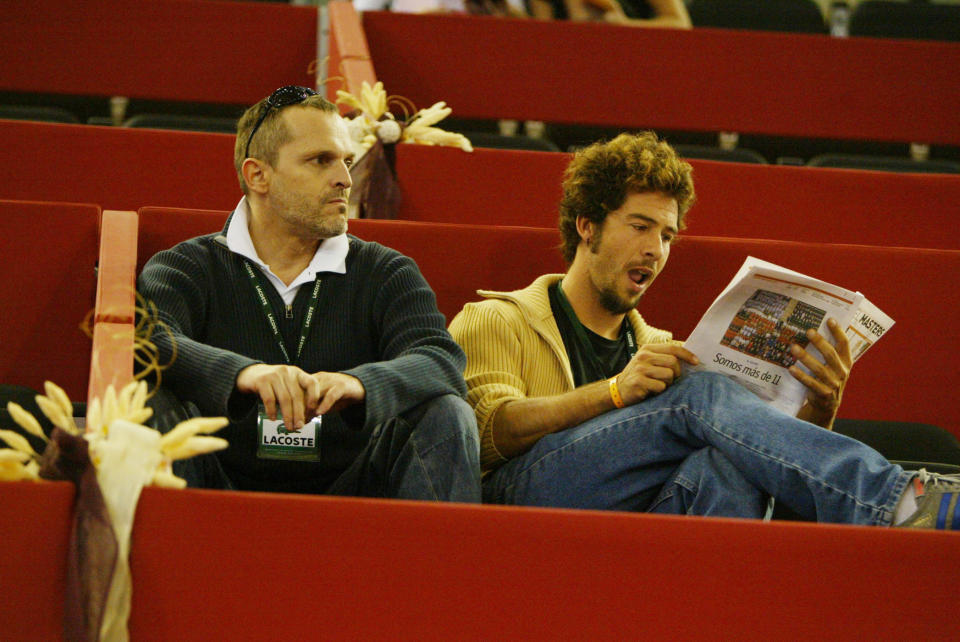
x,y
514,350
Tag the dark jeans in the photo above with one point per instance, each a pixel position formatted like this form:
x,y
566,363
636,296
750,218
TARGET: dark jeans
x,y
430,452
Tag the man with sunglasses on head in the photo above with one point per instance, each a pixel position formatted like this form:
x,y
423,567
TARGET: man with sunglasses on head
x,y
327,353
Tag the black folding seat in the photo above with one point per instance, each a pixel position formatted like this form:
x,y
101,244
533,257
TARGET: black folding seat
x,y
885,163
802,16
46,113
183,122
916,19
708,152
498,141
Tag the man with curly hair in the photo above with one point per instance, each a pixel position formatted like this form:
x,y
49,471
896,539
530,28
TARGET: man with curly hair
x,y
581,404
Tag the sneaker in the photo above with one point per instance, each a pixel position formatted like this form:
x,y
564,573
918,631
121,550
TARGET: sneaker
x,y
938,502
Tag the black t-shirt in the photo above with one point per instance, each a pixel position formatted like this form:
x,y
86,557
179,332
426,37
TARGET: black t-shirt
x,y
611,356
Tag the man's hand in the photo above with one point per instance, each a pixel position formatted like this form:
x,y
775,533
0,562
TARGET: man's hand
x,y
298,395
651,370
827,380
337,391
285,388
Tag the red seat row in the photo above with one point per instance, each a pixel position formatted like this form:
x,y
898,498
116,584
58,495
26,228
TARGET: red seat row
x,y
906,283
51,297
777,84
127,168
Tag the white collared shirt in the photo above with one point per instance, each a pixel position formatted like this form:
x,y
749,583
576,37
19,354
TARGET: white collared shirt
x,y
331,256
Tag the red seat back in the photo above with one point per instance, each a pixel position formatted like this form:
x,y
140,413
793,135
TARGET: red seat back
x,y
48,287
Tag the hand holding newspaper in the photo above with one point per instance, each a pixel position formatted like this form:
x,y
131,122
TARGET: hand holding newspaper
x,y
747,331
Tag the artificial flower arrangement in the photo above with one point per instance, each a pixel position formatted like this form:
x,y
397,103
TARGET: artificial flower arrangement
x,y
374,132
374,121
113,429
110,460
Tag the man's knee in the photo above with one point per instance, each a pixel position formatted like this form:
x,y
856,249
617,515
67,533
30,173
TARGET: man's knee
x,y
444,418
441,458
705,389
703,379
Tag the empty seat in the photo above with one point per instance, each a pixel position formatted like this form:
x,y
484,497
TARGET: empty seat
x,y
884,163
906,441
47,113
48,287
497,141
802,16
183,122
916,20
709,152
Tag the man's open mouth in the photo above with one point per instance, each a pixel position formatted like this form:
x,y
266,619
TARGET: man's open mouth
x,y
639,276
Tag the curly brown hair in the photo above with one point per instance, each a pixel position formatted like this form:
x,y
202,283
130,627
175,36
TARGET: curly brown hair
x,y
600,177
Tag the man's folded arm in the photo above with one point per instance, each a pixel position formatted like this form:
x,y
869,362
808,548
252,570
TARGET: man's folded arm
x,y
419,360
520,423
510,421
198,372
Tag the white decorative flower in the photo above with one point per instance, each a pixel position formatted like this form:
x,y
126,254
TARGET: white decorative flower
x,y
372,102
357,128
126,456
388,131
421,130
375,121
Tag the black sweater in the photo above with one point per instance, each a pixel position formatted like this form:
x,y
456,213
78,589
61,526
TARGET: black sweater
x,y
378,322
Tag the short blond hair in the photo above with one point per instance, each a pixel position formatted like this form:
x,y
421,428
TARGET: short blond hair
x,y
272,133
601,176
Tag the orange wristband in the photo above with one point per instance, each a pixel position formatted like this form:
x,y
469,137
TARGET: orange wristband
x,y
615,392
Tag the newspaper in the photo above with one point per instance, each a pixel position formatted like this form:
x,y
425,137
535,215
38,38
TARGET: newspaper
x,y
747,331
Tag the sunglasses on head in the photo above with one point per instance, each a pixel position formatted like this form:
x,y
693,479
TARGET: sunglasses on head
x,y
283,97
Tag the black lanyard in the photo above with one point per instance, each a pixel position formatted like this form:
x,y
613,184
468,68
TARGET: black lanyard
x,y
585,344
256,279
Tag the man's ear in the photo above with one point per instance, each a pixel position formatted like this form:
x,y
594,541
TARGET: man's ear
x,y
586,229
256,174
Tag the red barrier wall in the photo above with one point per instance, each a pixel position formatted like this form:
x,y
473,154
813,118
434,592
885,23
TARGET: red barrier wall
x,y
116,167
219,52
506,187
908,284
700,79
245,566
48,287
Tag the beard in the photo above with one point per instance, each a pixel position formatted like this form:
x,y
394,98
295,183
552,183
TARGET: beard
x,y
614,303
608,296
312,215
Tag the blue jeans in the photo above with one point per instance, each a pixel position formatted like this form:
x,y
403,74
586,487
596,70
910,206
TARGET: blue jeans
x,y
430,452
705,446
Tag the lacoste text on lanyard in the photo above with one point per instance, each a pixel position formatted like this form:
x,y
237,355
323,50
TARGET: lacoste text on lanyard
x,y
268,311
582,335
